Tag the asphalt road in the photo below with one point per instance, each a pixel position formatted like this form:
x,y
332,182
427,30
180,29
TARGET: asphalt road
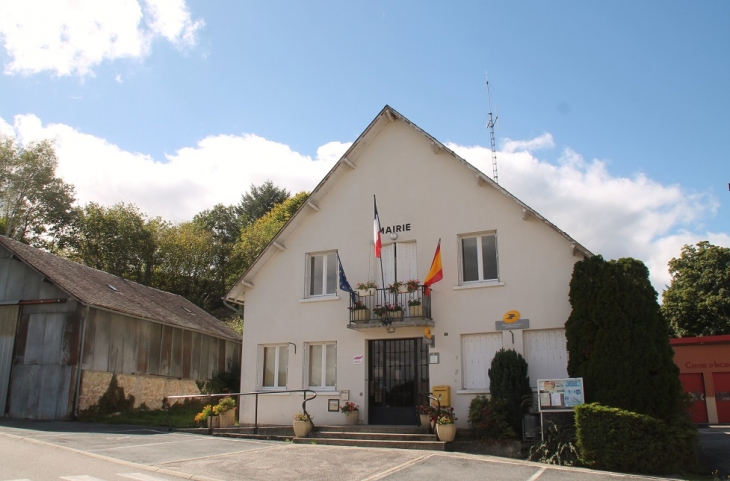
x,y
37,451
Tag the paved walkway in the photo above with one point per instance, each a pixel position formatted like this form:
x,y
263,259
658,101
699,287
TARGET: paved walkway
x,y
210,458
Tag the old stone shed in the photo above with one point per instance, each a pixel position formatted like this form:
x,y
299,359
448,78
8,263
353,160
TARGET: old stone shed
x,y
66,328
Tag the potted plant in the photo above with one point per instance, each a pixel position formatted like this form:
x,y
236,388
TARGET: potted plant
x,y
202,417
413,285
365,289
397,287
360,312
351,410
395,311
302,424
225,410
445,427
381,311
425,413
415,308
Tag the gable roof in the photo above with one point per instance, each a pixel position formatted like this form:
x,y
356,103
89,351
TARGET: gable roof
x,y
100,289
346,163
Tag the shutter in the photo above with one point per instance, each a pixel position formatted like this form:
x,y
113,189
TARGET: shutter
x,y
546,354
478,350
388,258
407,265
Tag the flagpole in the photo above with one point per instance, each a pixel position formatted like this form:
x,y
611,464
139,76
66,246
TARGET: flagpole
x,y
380,255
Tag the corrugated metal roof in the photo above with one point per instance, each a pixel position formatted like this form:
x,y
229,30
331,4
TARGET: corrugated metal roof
x,y
101,289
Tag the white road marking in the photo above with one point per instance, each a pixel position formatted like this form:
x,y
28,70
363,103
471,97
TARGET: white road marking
x,y
537,474
83,477
144,445
141,477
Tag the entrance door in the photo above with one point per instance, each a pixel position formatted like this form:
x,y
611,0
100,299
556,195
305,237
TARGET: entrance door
x,y
398,371
694,385
721,380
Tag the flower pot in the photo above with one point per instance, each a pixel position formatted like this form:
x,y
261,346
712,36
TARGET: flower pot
x,y
302,428
366,292
425,420
214,421
351,417
395,314
416,311
446,432
227,419
361,315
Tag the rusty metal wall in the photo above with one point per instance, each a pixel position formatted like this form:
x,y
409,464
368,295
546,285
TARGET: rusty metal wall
x,y
8,325
117,343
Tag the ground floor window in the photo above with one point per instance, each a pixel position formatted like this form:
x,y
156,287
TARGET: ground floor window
x,y
321,365
477,352
273,366
546,353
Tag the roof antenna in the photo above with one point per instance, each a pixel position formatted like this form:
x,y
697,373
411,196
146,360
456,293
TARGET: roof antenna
x,y
490,125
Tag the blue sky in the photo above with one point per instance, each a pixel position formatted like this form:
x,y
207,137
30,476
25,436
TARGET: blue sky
x,y
613,116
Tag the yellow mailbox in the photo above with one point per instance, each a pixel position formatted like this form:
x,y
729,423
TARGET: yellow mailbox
x,y
443,394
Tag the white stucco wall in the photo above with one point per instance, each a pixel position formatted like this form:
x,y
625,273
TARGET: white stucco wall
x,y
441,198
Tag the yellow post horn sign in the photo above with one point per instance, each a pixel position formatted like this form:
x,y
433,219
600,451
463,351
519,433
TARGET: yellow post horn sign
x,y
427,333
511,316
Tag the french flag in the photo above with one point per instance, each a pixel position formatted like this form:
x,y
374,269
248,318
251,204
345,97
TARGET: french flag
x,y
376,230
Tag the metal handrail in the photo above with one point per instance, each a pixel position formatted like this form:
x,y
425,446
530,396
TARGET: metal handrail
x,y
384,296
166,404
432,423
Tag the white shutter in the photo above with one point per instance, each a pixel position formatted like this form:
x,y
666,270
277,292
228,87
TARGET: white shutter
x,y
477,352
407,265
546,354
386,255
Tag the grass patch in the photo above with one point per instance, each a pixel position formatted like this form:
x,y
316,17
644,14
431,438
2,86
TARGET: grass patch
x,y
182,415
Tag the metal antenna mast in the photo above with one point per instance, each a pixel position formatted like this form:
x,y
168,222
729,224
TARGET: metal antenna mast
x,y
490,124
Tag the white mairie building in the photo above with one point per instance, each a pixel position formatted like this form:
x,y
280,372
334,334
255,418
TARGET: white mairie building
x,y
498,256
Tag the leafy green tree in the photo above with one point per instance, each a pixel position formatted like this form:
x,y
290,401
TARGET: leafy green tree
x,y
508,381
697,303
618,341
35,205
118,239
259,200
185,263
256,236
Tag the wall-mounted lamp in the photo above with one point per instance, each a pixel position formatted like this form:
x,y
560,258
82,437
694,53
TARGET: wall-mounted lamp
x,y
390,330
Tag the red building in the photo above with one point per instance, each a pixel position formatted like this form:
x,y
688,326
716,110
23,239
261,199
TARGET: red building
x,y
704,365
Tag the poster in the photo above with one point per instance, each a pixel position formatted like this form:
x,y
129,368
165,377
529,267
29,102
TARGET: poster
x,y
559,394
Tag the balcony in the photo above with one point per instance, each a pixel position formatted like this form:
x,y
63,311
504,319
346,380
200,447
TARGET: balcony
x,y
385,308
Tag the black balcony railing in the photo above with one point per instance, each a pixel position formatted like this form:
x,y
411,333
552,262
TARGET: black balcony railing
x,y
385,306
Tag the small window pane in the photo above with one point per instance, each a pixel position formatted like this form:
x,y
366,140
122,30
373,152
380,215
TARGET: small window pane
x,y
489,257
331,365
283,357
331,273
469,259
269,365
315,365
316,270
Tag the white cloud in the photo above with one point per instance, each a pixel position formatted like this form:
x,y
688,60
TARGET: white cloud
x,y
70,37
612,216
545,141
219,169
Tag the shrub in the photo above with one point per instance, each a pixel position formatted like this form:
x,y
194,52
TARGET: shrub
x,y
508,380
558,446
488,419
615,439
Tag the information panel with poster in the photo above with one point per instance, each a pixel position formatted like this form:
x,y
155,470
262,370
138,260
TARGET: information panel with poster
x,y
556,395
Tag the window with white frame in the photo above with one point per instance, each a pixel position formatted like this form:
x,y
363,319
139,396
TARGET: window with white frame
x,y
273,360
321,274
321,365
477,352
479,257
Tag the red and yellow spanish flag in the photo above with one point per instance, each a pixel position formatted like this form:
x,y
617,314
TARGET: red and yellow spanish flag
x,y
436,273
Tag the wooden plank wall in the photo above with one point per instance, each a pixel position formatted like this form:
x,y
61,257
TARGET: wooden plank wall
x,y
125,345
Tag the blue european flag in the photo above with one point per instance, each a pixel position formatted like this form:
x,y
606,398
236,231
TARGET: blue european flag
x,y
344,285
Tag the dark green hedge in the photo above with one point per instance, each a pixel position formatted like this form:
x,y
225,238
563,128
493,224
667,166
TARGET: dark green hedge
x,y
618,440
